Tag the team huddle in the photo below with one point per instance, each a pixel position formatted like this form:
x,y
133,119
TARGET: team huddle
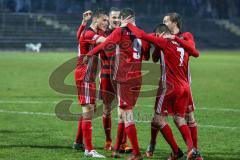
x,y
120,46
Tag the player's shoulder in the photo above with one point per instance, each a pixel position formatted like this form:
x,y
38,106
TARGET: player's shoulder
x,y
187,35
89,31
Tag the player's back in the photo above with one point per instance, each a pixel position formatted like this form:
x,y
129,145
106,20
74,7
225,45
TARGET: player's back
x,y
175,64
128,56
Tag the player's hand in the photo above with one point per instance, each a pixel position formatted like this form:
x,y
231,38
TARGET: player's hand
x,y
87,16
169,36
127,20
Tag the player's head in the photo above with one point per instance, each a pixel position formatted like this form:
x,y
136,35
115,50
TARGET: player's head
x,y
161,29
114,18
126,12
100,18
173,21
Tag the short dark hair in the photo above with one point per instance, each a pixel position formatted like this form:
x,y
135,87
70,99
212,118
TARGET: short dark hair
x,y
114,9
160,28
175,17
98,12
127,12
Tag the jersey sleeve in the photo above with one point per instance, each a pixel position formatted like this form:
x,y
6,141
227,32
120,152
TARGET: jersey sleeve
x,y
80,30
189,46
189,37
91,37
113,38
161,42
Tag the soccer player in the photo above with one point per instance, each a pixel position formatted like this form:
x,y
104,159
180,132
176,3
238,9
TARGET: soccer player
x,y
78,144
174,90
85,75
127,78
107,92
174,22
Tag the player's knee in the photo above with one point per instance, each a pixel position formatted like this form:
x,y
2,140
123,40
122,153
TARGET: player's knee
x,y
159,121
191,122
127,116
179,121
107,110
88,112
190,118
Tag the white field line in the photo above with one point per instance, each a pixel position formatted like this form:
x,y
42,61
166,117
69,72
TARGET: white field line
x,y
137,121
227,109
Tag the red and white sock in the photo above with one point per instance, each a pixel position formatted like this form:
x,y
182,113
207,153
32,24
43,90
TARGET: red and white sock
x,y
87,134
79,136
168,135
132,136
119,136
107,125
154,133
194,133
184,130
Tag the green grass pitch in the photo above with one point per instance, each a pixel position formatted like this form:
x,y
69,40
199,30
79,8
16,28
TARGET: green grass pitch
x,y
29,128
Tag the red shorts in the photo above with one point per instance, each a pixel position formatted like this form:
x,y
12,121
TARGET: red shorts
x,y
107,90
127,93
191,106
172,101
86,92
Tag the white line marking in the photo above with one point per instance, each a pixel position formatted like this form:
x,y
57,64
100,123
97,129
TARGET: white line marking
x,y
137,121
27,113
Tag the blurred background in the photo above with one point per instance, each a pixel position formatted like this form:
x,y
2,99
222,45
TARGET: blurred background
x,y
53,23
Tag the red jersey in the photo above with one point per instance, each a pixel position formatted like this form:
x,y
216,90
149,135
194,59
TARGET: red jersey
x,y
87,41
174,58
107,61
129,52
186,39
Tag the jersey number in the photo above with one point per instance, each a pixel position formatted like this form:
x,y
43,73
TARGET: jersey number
x,y
137,46
181,50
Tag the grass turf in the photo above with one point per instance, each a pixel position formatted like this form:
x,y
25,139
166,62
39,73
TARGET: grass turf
x,y
25,133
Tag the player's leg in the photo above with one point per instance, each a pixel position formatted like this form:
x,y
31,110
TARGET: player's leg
x,y
107,95
131,131
119,136
179,110
165,129
78,144
127,94
154,130
87,93
192,124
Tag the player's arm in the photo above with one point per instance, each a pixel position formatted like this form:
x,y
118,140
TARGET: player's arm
x,y
161,42
113,38
189,46
86,17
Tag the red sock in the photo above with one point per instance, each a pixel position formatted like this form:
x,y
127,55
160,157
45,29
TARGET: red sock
x,y
87,134
154,133
184,130
124,138
107,124
132,135
79,136
194,133
119,136
168,135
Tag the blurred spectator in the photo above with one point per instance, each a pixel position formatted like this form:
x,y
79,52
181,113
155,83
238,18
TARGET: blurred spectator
x,y
188,8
